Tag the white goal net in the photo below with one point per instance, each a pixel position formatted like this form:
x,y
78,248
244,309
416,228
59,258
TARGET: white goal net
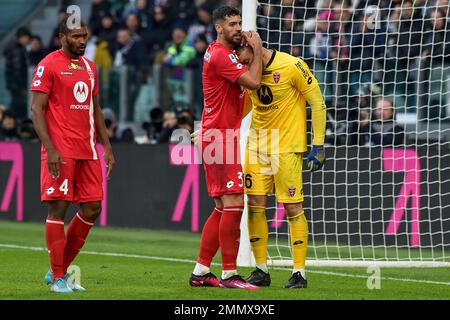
x,y
384,70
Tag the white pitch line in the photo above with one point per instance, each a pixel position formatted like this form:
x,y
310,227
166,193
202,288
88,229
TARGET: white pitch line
x,y
137,256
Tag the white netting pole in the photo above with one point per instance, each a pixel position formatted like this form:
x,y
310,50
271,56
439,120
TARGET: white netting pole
x,y
245,256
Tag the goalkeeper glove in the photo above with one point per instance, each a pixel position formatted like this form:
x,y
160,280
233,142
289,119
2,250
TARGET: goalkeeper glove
x,y
316,158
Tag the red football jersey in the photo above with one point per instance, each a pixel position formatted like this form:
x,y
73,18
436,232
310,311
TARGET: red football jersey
x,y
223,96
70,85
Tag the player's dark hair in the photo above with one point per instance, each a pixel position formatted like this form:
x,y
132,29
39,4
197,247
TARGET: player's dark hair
x,y
224,11
64,28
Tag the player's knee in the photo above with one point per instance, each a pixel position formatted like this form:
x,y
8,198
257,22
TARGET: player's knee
x,y
218,203
256,201
233,200
91,210
293,209
57,209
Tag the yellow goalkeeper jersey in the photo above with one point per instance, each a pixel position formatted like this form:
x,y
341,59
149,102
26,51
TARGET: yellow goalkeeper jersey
x,y
279,107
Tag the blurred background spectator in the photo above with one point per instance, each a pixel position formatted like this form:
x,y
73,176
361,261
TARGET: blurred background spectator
x,y
367,47
379,129
99,9
158,34
435,54
9,130
37,51
154,128
149,55
203,23
405,46
55,44
181,50
16,72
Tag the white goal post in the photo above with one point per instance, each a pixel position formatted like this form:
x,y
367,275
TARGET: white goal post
x,y
375,202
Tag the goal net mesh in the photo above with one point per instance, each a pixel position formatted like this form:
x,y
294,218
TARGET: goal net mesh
x,y
384,70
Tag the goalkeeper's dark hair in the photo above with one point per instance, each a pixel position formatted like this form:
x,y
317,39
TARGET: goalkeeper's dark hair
x,y
64,28
224,11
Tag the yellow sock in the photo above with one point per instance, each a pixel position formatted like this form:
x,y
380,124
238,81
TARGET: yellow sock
x,y
298,229
258,232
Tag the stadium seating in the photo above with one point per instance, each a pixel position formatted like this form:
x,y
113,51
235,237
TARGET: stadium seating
x,y
16,10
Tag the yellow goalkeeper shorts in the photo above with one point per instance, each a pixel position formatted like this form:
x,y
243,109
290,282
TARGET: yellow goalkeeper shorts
x,y
277,173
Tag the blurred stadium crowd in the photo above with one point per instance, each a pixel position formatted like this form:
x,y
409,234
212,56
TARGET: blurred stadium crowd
x,y
355,62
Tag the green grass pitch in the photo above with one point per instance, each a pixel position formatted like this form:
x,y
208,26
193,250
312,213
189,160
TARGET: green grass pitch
x,y
145,264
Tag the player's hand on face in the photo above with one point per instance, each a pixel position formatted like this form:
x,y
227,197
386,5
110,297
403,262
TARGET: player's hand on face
x,y
53,161
252,38
316,158
243,40
109,161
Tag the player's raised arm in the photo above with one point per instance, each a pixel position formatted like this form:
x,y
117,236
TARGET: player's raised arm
x,y
251,79
103,136
38,103
307,84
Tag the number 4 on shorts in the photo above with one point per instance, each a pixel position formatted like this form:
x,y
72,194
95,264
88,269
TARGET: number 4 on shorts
x,y
64,187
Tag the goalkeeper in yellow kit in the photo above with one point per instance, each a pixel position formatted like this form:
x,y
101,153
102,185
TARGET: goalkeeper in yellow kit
x,y
274,154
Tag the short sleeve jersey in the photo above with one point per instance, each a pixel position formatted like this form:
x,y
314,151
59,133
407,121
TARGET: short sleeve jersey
x,y
223,96
70,85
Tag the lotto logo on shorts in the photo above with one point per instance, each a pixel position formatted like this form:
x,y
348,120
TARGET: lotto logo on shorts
x,y
50,190
230,184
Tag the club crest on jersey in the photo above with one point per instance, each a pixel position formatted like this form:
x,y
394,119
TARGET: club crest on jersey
x,y
80,91
40,71
91,74
292,191
276,77
75,67
233,58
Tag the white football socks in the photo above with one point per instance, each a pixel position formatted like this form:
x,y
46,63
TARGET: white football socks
x,y
263,267
200,269
302,272
228,274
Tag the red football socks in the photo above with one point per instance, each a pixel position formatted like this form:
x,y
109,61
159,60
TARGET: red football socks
x,y
209,243
76,236
229,235
54,236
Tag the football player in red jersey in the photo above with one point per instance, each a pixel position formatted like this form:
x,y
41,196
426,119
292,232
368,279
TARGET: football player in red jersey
x,y
68,118
224,78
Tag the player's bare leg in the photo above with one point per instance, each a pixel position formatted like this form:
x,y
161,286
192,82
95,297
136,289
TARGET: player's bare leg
x,y
209,245
57,209
55,239
298,230
229,234
258,233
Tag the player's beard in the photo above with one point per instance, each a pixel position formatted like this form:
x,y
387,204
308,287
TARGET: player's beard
x,y
234,38
75,50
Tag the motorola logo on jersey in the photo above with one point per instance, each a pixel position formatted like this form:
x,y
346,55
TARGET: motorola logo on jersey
x,y
265,95
81,91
